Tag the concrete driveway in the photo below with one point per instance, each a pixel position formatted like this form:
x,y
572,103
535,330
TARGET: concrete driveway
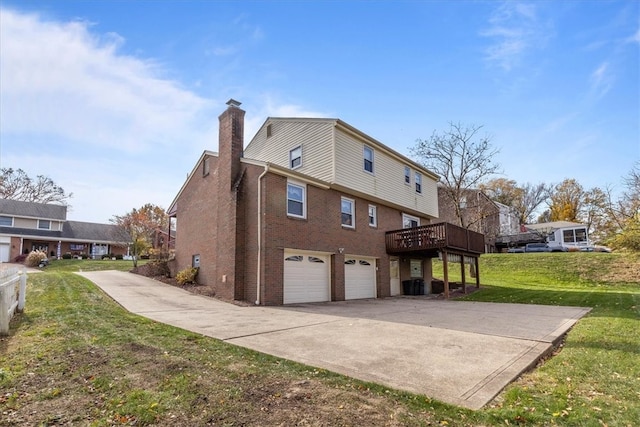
x,y
463,353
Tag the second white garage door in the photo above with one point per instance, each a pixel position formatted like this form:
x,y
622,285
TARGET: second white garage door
x,y
359,277
306,277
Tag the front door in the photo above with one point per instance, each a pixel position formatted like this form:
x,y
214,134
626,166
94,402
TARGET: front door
x,y
394,270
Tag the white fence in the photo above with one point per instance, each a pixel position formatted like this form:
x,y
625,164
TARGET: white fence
x,y
13,289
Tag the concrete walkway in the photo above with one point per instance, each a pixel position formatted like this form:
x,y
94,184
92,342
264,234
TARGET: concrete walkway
x,y
463,353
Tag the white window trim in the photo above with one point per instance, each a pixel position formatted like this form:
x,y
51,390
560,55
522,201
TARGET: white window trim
x,y
304,199
43,228
373,159
375,216
418,182
407,169
409,217
10,217
291,158
353,212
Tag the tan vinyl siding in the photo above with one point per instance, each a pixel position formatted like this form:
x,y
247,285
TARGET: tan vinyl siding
x,y
25,223
315,137
387,181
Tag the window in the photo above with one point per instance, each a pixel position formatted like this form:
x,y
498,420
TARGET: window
x,y
269,131
195,261
44,224
418,183
373,216
295,157
347,213
363,262
296,258
316,259
463,202
295,200
6,221
409,221
350,262
407,175
368,159
76,247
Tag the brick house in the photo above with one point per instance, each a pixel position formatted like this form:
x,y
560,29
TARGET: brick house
x,y
28,226
312,210
480,214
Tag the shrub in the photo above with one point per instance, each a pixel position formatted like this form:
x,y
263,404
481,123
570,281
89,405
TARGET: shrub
x,y
188,275
84,256
35,258
20,258
67,256
119,257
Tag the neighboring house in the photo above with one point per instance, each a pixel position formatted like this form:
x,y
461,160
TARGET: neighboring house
x,y
563,235
312,210
27,226
560,235
479,213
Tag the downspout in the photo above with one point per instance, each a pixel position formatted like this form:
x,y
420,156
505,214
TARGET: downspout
x,y
266,169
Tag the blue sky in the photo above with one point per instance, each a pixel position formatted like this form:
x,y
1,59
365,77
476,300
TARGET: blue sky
x,y
115,101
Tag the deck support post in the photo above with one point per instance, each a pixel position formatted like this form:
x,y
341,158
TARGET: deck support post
x,y
445,271
462,274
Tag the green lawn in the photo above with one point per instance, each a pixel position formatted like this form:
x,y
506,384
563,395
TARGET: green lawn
x,y
75,357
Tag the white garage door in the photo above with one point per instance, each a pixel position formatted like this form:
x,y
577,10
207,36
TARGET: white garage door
x,y
359,277
306,277
4,252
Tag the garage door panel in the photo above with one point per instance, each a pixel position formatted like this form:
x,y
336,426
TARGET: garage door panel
x,y
359,277
306,278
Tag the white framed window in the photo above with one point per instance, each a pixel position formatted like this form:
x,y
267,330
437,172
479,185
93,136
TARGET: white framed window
x,y
410,221
368,159
418,180
373,216
296,200
407,175
463,202
348,212
295,157
6,221
44,224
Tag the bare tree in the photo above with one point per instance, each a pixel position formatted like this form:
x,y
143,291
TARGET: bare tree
x,y
462,158
15,184
533,196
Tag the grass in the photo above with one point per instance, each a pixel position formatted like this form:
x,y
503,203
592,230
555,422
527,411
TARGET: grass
x,y
76,357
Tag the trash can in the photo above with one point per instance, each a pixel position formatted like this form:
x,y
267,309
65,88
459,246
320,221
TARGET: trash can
x,y
407,287
418,286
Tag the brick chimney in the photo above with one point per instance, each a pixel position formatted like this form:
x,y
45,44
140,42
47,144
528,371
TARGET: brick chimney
x,y
229,281
230,143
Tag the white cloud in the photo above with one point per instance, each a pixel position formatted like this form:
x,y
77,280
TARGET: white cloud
x,y
63,80
601,80
515,29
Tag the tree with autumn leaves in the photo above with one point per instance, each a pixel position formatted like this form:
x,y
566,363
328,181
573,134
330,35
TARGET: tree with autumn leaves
x,y
141,225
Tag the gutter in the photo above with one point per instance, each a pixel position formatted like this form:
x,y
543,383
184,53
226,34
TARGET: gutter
x,y
266,169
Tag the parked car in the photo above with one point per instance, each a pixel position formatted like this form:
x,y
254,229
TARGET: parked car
x,y
516,250
537,247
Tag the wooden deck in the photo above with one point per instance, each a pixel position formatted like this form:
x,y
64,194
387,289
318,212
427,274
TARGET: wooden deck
x,y
430,239
444,240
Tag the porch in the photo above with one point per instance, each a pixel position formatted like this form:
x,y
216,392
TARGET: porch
x,y
450,242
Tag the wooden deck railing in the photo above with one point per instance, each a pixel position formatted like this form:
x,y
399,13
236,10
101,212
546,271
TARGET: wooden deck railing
x,y
433,237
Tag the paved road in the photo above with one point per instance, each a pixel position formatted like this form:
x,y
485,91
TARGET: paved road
x,y
462,353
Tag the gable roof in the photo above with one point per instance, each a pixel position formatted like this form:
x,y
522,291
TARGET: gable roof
x,y
33,210
93,232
